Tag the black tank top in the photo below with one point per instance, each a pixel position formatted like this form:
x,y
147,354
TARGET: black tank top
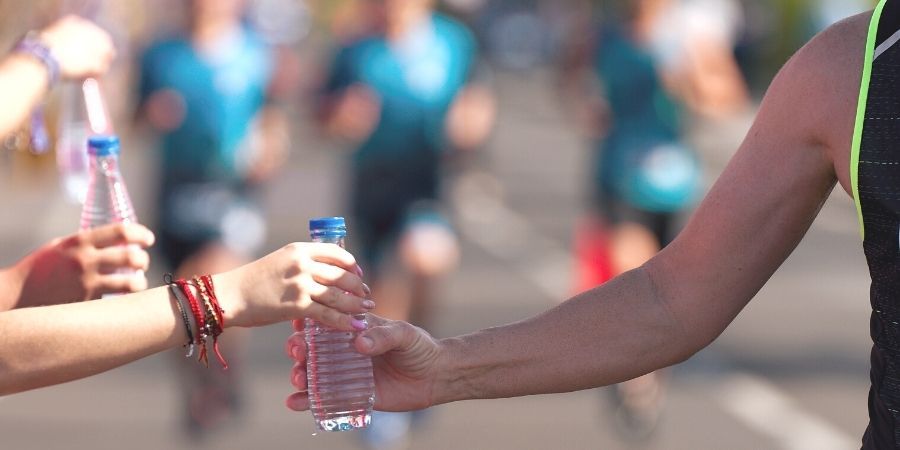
x,y
875,172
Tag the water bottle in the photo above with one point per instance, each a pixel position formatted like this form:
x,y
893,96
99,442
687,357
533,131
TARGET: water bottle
x,y
107,199
71,145
83,113
341,386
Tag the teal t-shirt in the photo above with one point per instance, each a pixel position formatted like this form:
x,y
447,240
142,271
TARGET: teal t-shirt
x,y
223,90
416,80
642,159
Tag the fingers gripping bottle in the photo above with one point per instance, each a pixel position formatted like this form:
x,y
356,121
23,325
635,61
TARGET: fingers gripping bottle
x,y
341,386
107,199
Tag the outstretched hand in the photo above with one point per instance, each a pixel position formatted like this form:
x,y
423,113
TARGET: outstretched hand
x,y
82,48
314,280
406,363
86,265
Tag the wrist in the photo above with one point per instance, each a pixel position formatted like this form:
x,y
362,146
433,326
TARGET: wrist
x,y
36,48
455,373
228,291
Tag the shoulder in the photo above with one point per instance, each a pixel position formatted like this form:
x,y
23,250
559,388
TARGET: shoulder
x,y
824,76
452,28
840,47
815,95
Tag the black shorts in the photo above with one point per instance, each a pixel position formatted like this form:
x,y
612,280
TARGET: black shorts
x,y
194,215
383,198
616,211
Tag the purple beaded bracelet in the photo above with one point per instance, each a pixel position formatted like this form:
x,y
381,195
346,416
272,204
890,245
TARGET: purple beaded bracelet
x,y
31,45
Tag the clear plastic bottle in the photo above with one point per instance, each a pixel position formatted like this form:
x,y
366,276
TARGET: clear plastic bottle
x,y
107,199
341,386
83,113
71,144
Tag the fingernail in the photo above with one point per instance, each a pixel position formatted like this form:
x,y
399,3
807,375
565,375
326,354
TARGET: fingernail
x,y
368,304
358,324
359,271
367,289
367,342
297,353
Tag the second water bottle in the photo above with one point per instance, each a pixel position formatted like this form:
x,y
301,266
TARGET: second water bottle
x,y
341,386
107,199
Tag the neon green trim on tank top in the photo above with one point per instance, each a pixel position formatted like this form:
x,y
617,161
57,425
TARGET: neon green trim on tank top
x,y
861,112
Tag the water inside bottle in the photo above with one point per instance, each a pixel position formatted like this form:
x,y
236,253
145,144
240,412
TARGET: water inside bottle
x,y
339,378
107,200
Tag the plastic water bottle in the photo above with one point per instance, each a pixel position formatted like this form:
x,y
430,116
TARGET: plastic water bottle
x,y
71,145
83,113
107,199
341,386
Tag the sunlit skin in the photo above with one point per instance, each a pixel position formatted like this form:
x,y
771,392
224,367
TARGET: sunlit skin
x,y
82,50
48,345
683,298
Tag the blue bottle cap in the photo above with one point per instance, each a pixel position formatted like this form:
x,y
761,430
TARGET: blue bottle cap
x,y
103,145
324,223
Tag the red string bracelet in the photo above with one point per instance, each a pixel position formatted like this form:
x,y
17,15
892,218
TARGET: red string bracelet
x,y
220,313
213,316
207,282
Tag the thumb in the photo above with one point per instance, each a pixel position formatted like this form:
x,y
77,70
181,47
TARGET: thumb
x,y
385,336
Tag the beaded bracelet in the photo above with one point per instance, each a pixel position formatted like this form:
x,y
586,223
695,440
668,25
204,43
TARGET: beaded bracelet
x,y
32,45
196,309
181,303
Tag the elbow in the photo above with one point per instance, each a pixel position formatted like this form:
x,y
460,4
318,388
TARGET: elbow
x,y
687,331
689,346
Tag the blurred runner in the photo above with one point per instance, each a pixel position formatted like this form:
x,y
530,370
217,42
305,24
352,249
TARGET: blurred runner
x,y
650,60
403,96
207,94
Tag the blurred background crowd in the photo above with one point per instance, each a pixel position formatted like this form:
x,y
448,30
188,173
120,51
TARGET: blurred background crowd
x,y
484,152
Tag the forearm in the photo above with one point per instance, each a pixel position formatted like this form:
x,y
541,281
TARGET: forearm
x,y
607,335
23,82
50,345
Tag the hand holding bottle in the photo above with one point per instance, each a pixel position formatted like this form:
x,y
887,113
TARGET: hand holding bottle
x,y
81,48
319,281
84,265
410,367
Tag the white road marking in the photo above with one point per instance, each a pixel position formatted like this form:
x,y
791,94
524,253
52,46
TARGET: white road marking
x,y
767,410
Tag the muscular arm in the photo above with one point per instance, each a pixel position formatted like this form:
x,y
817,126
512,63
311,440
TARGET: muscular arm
x,y
682,299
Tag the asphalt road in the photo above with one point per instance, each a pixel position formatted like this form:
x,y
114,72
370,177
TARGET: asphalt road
x,y
790,373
